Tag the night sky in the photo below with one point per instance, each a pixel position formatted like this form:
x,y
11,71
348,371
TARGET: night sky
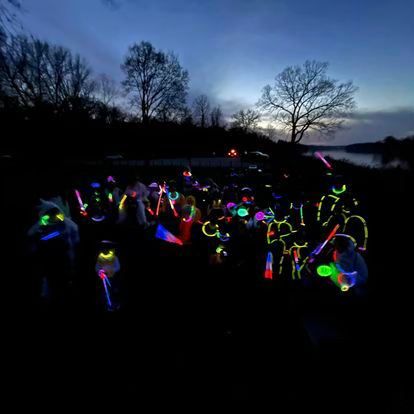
x,y
232,48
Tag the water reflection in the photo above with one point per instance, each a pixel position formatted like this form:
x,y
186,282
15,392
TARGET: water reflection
x,y
374,160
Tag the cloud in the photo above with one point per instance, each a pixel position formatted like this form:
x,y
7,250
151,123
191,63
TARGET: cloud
x,y
365,125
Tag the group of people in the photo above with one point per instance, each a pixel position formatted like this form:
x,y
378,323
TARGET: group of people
x,y
288,235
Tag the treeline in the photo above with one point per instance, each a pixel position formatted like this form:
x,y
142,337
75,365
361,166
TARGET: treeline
x,y
41,81
390,148
47,90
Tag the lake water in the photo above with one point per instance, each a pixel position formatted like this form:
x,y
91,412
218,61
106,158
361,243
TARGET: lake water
x,y
370,160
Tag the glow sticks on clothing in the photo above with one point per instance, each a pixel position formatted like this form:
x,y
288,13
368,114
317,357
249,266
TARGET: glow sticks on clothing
x,y
50,236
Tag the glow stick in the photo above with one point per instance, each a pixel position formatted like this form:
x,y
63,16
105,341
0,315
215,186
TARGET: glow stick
x,y
318,218
122,202
105,280
157,211
78,196
98,219
296,258
301,216
44,220
203,229
172,207
320,156
346,235
364,223
268,274
269,216
320,248
60,216
340,191
50,236
109,256
163,234
177,194
223,237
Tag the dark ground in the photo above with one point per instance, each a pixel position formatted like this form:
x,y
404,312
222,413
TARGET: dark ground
x,y
192,338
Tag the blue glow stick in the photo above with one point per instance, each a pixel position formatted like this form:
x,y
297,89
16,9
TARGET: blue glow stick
x,y
108,299
50,236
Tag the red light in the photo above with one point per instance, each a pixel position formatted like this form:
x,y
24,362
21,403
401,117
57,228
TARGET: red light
x,y
244,199
268,274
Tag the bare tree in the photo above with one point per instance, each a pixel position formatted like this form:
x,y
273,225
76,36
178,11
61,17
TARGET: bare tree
x,y
8,16
36,73
216,117
246,120
270,131
107,90
201,108
303,98
155,80
186,116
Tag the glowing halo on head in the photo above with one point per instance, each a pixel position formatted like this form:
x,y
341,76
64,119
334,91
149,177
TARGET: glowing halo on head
x,y
110,255
175,197
203,229
340,191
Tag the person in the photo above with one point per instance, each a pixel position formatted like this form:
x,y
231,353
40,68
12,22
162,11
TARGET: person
x,y
137,194
53,242
106,267
349,262
190,214
187,181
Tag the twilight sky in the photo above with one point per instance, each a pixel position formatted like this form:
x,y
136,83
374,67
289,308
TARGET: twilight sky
x,y
232,48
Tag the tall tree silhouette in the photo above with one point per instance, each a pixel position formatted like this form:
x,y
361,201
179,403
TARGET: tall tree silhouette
x,y
201,107
246,120
155,81
216,117
36,73
303,98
